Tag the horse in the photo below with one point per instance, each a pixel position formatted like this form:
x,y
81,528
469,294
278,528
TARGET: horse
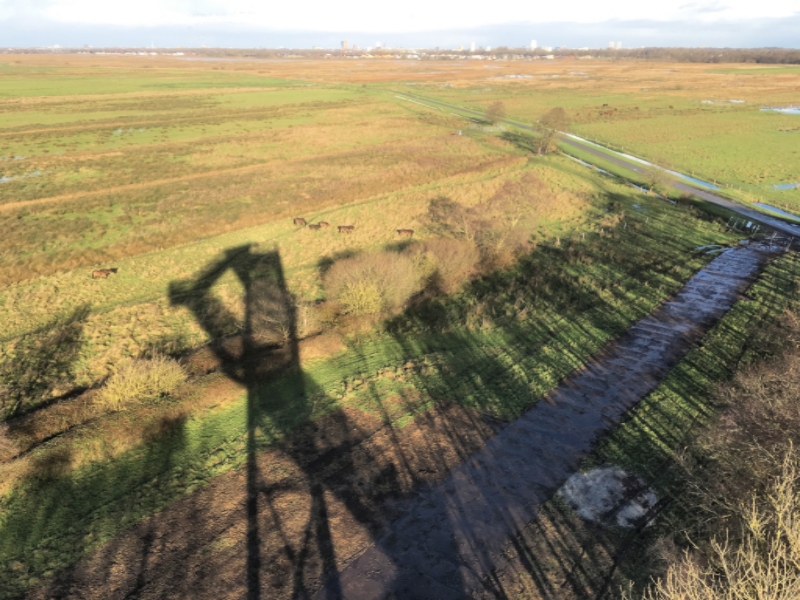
x,y
346,228
103,273
313,226
299,221
405,232
324,224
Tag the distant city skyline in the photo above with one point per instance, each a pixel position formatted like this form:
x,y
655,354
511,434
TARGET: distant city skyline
x,y
412,23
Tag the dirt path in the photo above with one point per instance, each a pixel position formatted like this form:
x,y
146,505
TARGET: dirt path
x,y
451,536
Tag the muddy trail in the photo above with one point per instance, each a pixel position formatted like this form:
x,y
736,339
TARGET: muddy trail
x,y
352,506
451,536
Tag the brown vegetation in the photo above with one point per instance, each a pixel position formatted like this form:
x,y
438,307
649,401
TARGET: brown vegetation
x,y
745,492
141,380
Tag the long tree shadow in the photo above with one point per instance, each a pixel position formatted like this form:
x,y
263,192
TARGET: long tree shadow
x,y
40,361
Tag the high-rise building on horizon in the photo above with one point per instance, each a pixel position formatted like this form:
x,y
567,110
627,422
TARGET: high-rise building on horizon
x,y
534,45
619,45
344,44
472,46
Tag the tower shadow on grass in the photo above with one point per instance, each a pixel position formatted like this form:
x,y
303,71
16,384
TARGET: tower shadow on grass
x,y
269,317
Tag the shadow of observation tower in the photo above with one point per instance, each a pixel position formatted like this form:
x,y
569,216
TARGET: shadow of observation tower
x,y
266,347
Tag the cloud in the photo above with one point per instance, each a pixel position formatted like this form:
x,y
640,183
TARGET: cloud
x,y
371,16
632,33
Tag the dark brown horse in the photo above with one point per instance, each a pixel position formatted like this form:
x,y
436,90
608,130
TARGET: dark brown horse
x,y
313,226
324,224
405,232
346,228
300,221
103,273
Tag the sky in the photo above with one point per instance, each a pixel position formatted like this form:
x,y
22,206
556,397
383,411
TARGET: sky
x,y
407,23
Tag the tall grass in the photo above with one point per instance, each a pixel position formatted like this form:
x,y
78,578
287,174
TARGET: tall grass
x,y
141,380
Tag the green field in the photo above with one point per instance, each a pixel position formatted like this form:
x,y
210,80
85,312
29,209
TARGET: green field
x,y
684,120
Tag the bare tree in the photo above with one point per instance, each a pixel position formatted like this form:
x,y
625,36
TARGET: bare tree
x,y
448,218
495,112
656,180
553,122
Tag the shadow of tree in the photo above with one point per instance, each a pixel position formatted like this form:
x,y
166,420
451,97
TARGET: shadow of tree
x,y
40,362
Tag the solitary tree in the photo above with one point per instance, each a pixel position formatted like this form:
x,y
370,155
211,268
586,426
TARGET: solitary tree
x,y
495,112
656,180
554,121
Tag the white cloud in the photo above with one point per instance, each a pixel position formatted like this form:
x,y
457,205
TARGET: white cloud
x,y
369,15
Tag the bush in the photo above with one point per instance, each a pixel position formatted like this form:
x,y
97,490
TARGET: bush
x,y
373,283
445,263
762,561
141,380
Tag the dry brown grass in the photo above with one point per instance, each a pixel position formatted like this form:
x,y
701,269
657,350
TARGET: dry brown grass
x,y
141,380
745,493
763,559
373,282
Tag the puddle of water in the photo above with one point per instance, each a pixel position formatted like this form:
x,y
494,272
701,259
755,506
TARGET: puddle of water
x,y
608,495
786,186
777,211
6,178
787,110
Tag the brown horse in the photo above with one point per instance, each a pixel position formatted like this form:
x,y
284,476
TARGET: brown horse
x,y
103,273
317,226
405,232
300,221
346,228
324,224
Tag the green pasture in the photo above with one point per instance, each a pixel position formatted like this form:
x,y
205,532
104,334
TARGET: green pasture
x,y
24,81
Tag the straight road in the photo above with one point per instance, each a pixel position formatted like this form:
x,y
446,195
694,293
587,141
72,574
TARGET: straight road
x,y
578,143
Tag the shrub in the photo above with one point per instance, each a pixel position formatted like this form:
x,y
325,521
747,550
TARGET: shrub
x,y
763,561
445,263
141,380
372,283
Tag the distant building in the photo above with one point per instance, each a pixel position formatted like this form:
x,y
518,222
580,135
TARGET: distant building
x,y
611,45
344,44
472,47
619,45
488,48
533,45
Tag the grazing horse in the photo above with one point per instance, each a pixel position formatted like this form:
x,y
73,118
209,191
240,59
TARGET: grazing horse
x,y
405,232
103,273
324,224
346,228
317,226
300,221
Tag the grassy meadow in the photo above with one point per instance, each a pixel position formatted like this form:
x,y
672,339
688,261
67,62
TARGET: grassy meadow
x,y
698,120
185,177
